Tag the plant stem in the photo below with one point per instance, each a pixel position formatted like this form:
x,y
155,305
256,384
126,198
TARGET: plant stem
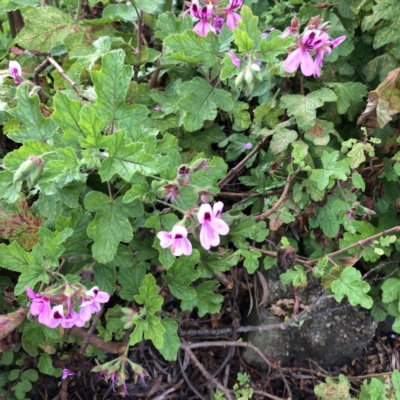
x,y
78,10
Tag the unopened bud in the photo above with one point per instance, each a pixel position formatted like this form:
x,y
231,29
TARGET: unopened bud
x,y
239,79
255,67
30,170
199,164
249,77
314,22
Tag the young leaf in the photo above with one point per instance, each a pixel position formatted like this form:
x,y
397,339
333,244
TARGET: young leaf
x,y
295,276
251,262
351,285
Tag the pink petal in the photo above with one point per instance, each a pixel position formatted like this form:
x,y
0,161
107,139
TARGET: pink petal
x,y
203,27
204,209
166,239
234,4
179,230
307,65
217,208
30,292
84,313
219,226
182,246
235,59
337,41
207,236
293,61
232,19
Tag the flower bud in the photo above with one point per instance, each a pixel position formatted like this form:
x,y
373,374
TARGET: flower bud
x,y
249,77
199,164
255,67
30,170
239,79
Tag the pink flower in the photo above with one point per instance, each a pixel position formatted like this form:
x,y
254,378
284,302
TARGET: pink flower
x,y
235,59
293,29
91,303
211,225
16,71
204,15
40,306
177,240
67,321
233,18
247,146
310,42
66,373
326,49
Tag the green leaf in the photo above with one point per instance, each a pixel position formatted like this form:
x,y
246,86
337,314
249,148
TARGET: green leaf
x,y
358,181
201,101
304,107
332,168
240,115
349,97
30,277
246,227
122,12
295,276
148,6
210,264
351,285
104,277
213,134
193,45
205,300
249,25
243,41
181,275
126,158
92,126
170,347
35,126
55,25
281,140
373,390
66,116
131,279
110,226
319,134
170,25
14,258
273,45
9,191
390,290
251,262
148,295
364,230
111,85
45,366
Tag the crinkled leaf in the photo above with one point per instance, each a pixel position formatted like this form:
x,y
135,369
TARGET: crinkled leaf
x,y
110,226
181,275
131,279
281,139
351,285
34,125
170,347
295,276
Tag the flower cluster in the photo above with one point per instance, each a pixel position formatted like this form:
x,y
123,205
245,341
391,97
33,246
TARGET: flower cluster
x,y
212,18
211,227
116,372
312,42
63,314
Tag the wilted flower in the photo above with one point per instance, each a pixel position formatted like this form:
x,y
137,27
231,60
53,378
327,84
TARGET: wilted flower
x,y
293,29
235,59
158,108
267,32
218,24
16,71
211,225
177,240
66,373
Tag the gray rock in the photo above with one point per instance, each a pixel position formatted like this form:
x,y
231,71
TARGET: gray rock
x,y
337,333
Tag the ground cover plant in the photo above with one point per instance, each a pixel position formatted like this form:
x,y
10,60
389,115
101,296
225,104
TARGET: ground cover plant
x,y
158,155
